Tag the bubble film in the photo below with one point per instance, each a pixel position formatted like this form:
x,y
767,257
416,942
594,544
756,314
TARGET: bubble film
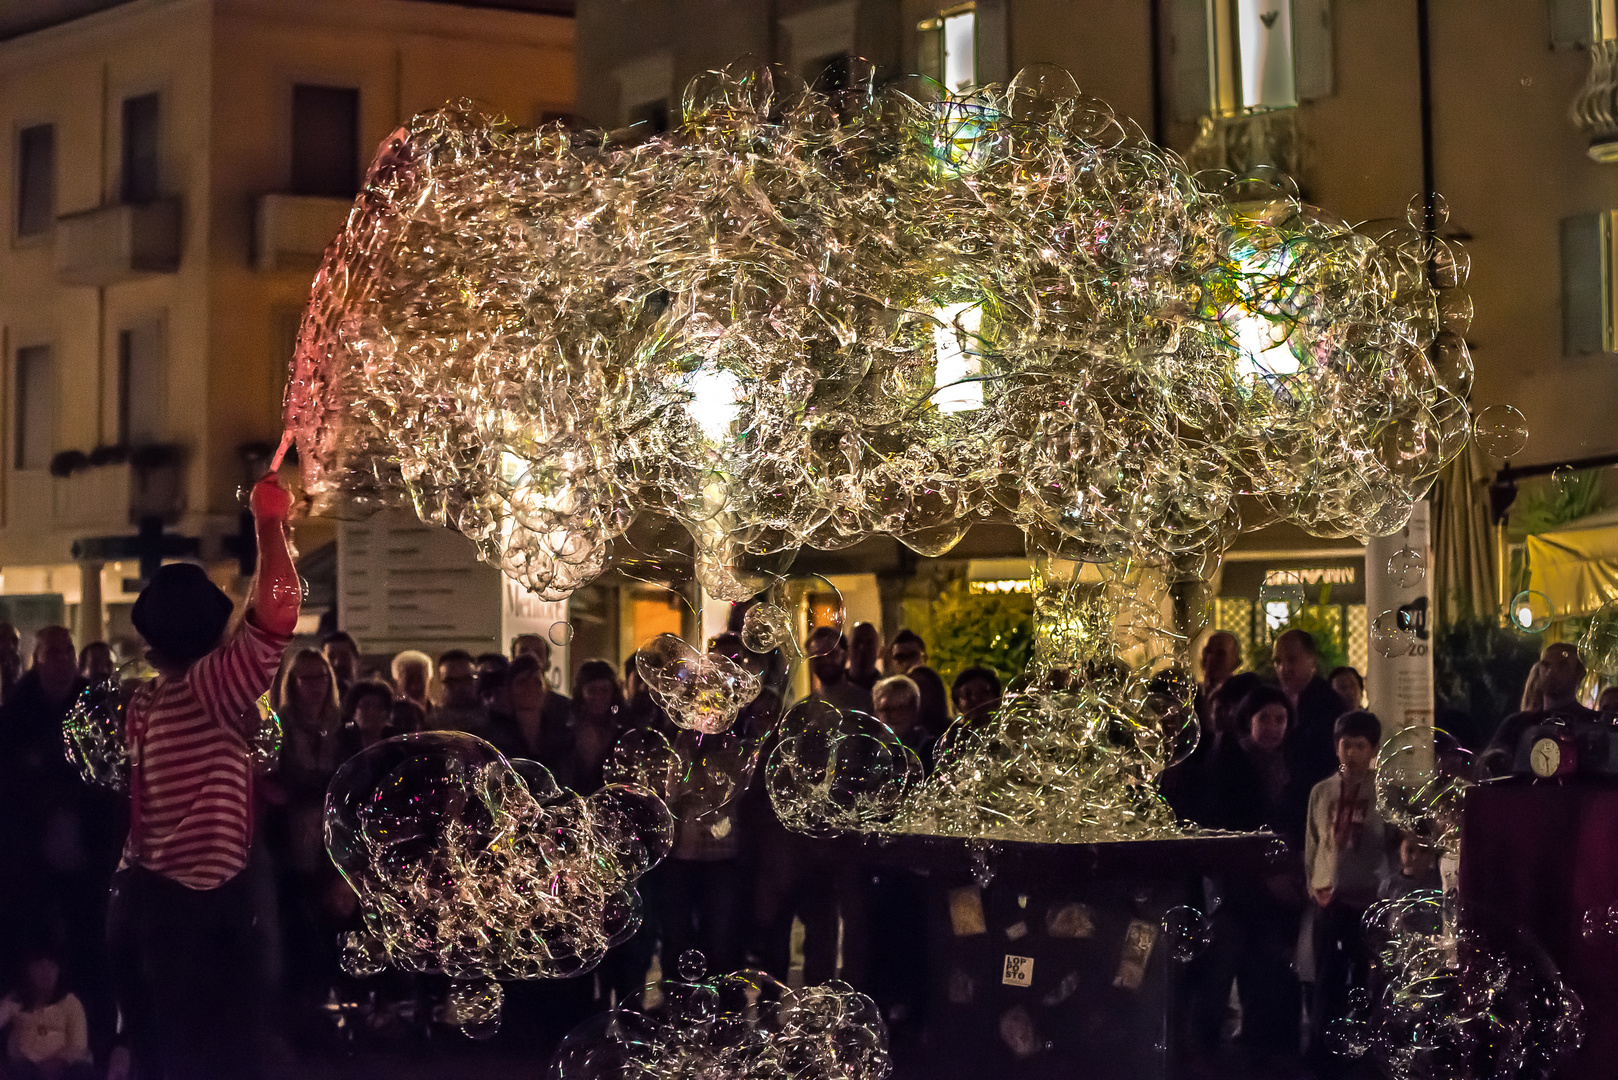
x,y
835,770
744,1026
804,319
1421,778
700,691
1457,1002
93,732
482,868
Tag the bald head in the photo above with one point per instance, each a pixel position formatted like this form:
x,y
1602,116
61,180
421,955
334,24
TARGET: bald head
x,y
1560,673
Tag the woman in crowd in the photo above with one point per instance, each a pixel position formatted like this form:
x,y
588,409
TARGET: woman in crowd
x,y
311,751
46,1036
367,717
537,725
1255,925
595,724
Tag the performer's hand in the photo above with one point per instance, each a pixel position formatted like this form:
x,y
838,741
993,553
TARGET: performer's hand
x,y
271,502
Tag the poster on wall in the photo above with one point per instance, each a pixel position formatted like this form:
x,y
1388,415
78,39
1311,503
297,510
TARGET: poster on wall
x,y
1398,610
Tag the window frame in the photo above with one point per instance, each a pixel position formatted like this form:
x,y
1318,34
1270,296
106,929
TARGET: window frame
x,y
126,186
20,461
316,83
19,174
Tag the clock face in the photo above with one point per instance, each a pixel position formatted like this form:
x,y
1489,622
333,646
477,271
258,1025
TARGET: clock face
x,y
1546,757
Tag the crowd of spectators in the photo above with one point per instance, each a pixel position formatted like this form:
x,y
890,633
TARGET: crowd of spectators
x,y
1291,753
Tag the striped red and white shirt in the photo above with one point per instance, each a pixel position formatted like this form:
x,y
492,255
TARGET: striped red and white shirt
x,y
189,741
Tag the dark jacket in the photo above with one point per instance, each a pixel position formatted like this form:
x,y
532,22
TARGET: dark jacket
x,y
1311,748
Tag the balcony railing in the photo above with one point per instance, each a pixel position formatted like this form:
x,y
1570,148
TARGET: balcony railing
x,y
118,243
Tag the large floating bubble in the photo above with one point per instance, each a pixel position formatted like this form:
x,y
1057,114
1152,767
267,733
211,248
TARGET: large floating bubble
x,y
481,868
1458,1001
745,1026
803,319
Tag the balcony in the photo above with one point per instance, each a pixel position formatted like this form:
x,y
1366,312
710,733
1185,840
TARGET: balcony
x,y
291,231
118,243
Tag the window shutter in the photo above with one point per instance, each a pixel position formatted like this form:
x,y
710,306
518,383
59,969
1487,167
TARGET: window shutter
x,y
994,42
1190,90
1312,49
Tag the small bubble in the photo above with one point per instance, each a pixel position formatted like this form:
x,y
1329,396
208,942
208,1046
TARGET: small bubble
x,y
692,965
1531,612
561,633
1501,431
1407,567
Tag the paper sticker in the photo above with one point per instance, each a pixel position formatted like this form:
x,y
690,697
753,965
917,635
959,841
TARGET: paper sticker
x,y
1019,971
1017,931
1070,921
966,912
1138,942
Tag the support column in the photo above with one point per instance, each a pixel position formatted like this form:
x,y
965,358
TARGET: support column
x,y
92,627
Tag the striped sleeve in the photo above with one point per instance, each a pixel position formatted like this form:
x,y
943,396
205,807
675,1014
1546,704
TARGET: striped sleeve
x,y
231,678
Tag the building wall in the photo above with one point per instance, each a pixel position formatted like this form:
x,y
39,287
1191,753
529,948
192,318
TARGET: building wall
x,y
77,76
225,69
404,58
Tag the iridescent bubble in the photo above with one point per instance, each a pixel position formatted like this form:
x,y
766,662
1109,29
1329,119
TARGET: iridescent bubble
x,y
561,633
1501,431
1390,635
742,1026
803,319
517,878
692,965
764,627
700,691
1407,567
1186,932
475,1007
833,770
1530,611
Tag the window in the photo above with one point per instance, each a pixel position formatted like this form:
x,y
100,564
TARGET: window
x,y
36,179
947,48
36,408
140,181
325,140
1250,56
140,384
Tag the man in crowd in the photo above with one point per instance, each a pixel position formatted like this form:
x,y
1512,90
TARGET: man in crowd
x,y
412,675
1311,752
1560,674
976,692
828,668
343,654
459,708
1221,656
907,655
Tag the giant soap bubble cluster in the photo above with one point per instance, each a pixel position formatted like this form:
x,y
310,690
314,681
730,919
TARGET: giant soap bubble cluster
x,y
1458,998
482,868
802,319
744,1026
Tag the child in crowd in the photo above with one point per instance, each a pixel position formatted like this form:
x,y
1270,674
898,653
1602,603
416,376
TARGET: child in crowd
x,y
192,907
46,1033
1344,861
1417,870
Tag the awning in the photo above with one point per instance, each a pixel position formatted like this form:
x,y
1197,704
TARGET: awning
x,y
1576,566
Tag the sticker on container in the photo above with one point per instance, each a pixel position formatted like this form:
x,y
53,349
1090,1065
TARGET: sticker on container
x,y
1019,971
1138,942
966,912
1017,931
1070,921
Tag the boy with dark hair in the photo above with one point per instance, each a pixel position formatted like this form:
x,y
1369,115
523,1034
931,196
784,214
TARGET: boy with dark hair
x,y
1345,858
189,923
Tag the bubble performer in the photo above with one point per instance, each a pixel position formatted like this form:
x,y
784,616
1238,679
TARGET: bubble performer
x,y
188,933
803,319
